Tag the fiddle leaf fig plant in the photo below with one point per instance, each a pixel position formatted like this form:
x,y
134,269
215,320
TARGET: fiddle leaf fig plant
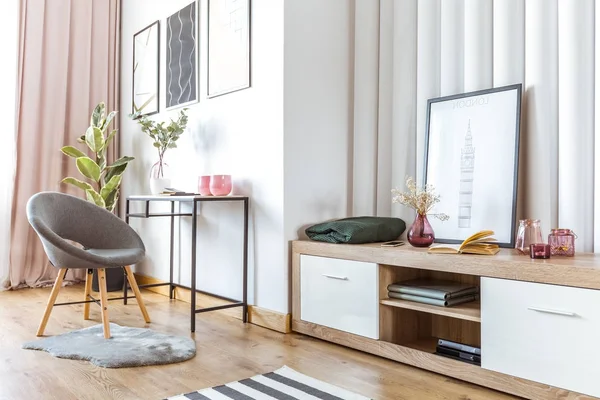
x,y
102,181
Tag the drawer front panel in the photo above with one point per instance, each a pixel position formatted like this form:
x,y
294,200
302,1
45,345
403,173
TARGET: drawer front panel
x,y
340,294
544,333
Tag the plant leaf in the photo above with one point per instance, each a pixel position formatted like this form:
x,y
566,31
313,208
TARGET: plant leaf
x,y
121,161
108,120
114,172
95,198
97,114
94,138
109,138
88,168
111,200
111,185
78,183
81,139
73,152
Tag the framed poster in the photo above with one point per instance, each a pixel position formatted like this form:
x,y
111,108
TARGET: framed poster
x,y
472,160
228,46
182,57
146,70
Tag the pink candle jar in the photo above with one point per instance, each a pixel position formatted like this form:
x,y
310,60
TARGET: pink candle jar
x,y
204,185
539,250
220,185
562,242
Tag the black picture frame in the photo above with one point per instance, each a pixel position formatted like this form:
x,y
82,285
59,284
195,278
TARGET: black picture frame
x,y
150,94
182,45
496,114
214,86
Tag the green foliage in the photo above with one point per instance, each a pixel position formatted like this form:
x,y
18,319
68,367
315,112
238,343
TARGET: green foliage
x,y
164,135
104,180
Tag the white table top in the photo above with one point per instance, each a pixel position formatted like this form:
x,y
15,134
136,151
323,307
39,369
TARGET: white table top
x,y
165,197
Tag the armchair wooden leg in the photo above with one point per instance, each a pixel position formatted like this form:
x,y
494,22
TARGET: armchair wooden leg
x,y
103,301
136,291
88,289
51,300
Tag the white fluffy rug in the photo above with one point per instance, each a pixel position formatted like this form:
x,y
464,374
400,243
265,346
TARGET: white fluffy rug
x,y
127,347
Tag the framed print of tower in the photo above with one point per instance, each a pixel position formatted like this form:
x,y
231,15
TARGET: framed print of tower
x,y
467,165
472,160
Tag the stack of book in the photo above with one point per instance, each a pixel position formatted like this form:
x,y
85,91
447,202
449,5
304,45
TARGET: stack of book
x,y
435,292
459,351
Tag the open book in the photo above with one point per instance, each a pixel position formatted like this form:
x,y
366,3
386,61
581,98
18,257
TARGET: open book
x,y
478,243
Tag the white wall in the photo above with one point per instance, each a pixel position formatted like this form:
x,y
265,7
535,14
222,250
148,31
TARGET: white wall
x,y
239,133
318,112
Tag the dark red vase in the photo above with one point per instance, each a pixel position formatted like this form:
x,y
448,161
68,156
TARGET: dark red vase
x,y
420,233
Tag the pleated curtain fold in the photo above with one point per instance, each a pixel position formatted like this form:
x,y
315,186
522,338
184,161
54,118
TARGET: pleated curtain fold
x,y
433,48
68,62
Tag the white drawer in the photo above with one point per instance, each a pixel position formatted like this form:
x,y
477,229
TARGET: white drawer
x,y
340,294
544,333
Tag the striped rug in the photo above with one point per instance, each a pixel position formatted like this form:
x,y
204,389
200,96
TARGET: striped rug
x,y
283,384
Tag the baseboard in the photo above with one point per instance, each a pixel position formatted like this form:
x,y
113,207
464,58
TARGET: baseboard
x,y
258,316
270,319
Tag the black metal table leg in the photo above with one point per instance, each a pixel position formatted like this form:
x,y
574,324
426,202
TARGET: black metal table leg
x,y
125,277
171,287
245,261
193,266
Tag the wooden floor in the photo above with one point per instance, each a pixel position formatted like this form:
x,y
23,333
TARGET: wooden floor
x,y
227,350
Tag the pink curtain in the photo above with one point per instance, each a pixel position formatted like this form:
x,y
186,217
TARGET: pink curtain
x,y
68,62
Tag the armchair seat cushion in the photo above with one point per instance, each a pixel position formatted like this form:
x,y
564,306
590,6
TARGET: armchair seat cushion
x,y
118,257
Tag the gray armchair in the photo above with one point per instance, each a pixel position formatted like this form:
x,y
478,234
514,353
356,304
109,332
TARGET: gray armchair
x,y
106,242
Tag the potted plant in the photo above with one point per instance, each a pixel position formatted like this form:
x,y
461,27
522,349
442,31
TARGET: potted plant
x,y
101,182
164,136
422,200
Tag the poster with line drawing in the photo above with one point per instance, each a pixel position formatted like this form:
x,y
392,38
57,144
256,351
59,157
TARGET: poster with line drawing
x,y
228,46
182,57
146,48
472,156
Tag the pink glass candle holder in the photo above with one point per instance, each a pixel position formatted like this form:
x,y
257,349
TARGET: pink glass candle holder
x,y
562,242
220,185
204,185
539,250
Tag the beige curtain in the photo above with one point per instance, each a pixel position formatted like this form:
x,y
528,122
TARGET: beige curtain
x,y
68,62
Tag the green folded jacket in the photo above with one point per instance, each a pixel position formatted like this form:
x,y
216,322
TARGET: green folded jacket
x,y
355,230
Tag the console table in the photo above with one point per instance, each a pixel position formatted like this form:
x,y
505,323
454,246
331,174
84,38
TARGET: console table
x,y
193,201
537,323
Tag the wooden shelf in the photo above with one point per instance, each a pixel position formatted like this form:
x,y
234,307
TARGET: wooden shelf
x,y
426,344
468,311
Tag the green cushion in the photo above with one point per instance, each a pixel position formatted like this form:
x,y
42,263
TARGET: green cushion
x,y
356,230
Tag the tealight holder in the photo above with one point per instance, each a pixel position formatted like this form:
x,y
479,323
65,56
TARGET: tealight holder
x,y
539,250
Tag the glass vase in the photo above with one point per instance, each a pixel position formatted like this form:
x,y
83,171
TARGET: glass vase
x,y
420,233
529,233
160,177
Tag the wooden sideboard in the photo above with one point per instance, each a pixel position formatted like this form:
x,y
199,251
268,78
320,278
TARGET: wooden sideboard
x,y
536,323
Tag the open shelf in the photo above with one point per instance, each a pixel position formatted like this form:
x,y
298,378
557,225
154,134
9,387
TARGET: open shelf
x,y
468,311
426,344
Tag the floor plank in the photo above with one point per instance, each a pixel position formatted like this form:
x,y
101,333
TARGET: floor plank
x,y
227,350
